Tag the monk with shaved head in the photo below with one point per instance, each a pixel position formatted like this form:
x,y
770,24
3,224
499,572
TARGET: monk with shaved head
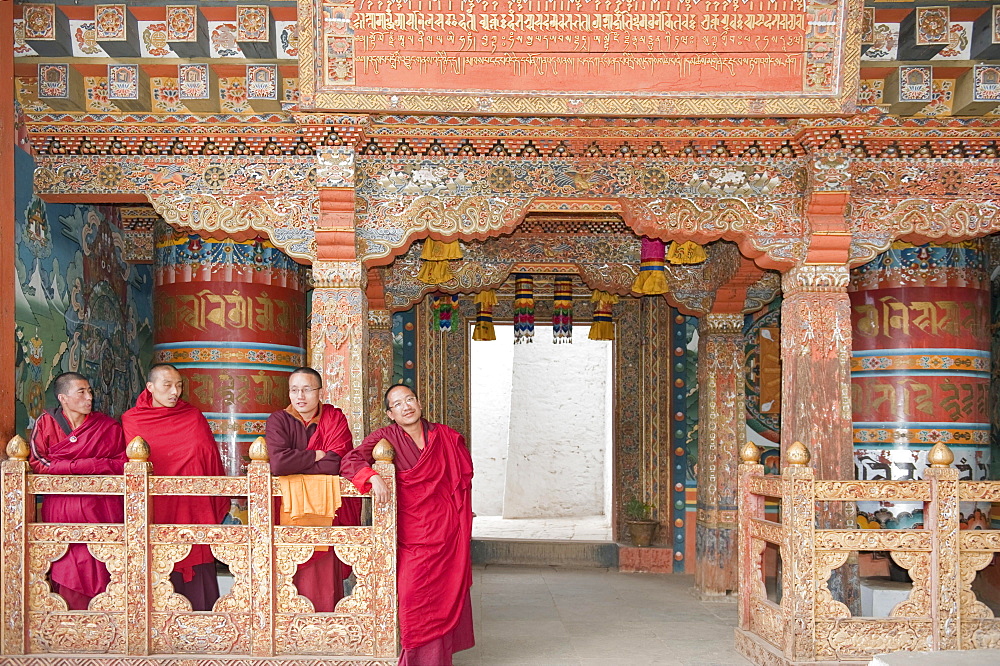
x,y
74,439
180,444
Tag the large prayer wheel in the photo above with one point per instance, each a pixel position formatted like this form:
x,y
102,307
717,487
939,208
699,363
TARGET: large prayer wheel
x,y
231,317
920,370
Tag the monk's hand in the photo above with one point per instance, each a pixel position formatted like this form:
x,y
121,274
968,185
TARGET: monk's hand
x,y
320,455
380,491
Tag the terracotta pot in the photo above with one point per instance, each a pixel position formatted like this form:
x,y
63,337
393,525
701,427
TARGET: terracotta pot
x,y
642,531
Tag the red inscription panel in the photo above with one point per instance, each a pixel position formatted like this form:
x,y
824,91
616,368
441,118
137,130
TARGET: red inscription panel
x,y
568,56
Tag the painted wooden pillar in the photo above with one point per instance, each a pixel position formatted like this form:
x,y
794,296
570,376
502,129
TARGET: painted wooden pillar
x,y
655,419
230,316
379,357
920,370
338,325
338,338
722,424
379,372
815,370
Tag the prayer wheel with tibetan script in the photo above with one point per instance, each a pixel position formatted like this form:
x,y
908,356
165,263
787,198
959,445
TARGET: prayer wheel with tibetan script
x,y
231,317
920,370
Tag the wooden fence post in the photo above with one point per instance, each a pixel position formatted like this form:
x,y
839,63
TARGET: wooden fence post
x,y
943,525
798,511
17,511
749,507
384,533
260,510
138,563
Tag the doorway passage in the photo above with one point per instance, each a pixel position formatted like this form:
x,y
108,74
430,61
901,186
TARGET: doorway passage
x,y
542,429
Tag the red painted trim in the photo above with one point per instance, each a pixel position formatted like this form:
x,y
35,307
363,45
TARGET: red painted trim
x,y
7,276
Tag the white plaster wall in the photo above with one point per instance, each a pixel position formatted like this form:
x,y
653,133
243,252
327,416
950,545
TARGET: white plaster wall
x,y
492,362
541,426
559,428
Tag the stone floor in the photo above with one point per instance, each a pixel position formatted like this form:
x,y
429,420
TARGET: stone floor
x,y
578,528
549,616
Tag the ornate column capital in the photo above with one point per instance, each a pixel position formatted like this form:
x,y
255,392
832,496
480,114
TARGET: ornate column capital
x,y
815,278
379,320
333,129
828,170
721,323
287,220
339,274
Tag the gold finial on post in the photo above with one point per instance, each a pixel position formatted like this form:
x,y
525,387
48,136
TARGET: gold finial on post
x,y
258,450
797,455
750,453
383,451
137,450
17,448
940,455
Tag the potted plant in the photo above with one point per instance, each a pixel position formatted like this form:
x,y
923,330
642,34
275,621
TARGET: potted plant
x,y
639,519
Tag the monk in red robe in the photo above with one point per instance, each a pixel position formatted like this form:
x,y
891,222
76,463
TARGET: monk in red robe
x,y
73,439
434,527
310,438
180,444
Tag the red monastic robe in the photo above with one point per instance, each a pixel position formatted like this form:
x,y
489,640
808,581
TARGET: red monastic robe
x,y
181,444
97,446
291,446
434,533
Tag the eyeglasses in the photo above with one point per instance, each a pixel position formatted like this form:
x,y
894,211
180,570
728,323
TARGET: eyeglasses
x,y
399,403
302,391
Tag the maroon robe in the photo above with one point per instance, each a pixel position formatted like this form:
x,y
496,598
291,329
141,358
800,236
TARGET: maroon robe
x,y
181,444
97,446
291,447
434,534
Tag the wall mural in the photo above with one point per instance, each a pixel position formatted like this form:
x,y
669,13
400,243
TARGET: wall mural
x,y
763,382
79,306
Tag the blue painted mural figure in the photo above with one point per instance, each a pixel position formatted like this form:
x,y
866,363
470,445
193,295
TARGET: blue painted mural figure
x,y
80,306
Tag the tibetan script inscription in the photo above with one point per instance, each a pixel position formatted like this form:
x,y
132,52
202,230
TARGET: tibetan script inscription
x,y
655,48
205,311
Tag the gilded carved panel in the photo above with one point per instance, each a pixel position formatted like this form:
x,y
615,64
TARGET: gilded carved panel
x,y
141,556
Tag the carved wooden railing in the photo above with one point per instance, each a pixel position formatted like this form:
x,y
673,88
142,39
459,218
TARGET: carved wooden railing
x,y
139,618
808,625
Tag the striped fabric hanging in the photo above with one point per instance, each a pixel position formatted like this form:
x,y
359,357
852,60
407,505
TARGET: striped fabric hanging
x,y
603,327
562,309
485,301
524,308
446,306
651,279
442,306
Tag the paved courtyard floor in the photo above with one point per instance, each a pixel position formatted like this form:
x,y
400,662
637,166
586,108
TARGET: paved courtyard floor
x,y
551,616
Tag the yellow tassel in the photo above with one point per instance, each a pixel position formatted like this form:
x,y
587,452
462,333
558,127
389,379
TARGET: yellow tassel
x,y
602,330
487,298
437,251
603,327
484,331
435,272
688,252
650,283
603,297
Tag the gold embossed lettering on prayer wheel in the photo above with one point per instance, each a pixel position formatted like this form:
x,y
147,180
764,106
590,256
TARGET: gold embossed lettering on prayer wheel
x,y
920,370
231,317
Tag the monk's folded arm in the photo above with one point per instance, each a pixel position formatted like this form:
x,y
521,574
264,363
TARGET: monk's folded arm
x,y
87,466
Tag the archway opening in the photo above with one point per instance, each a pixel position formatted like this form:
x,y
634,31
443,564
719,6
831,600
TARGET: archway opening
x,y
542,434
